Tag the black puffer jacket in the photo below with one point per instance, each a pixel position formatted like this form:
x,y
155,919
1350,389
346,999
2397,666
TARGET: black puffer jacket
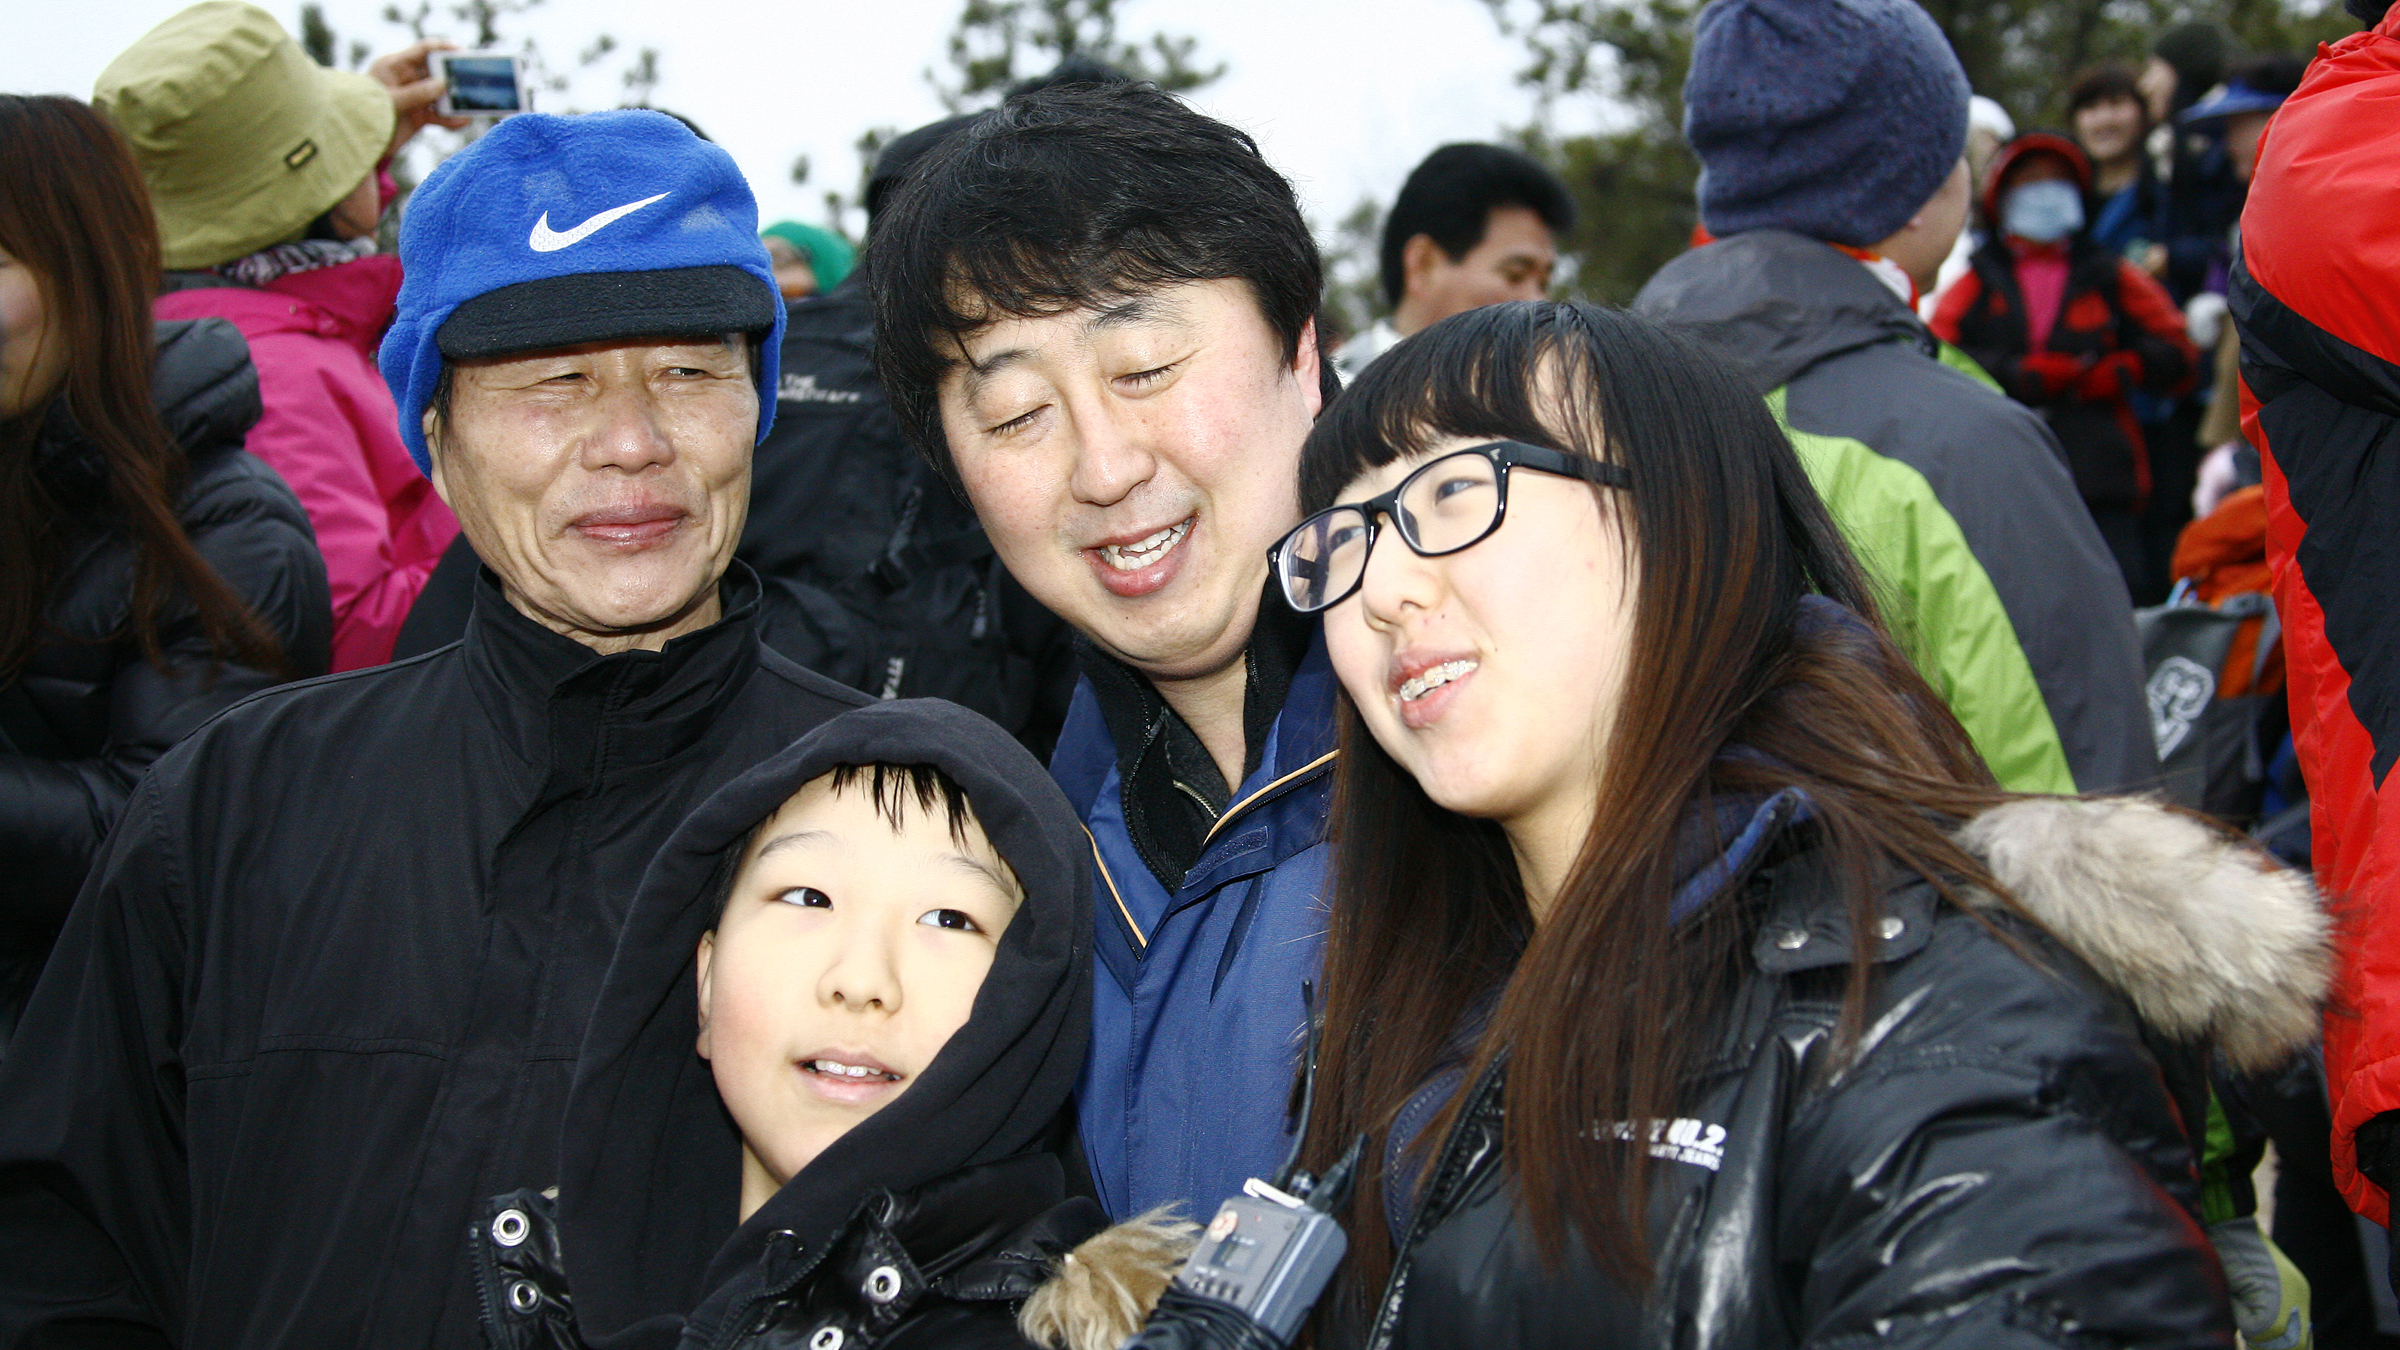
x,y
2000,1165
88,713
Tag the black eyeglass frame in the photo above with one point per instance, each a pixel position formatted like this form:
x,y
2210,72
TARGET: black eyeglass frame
x,y
1504,456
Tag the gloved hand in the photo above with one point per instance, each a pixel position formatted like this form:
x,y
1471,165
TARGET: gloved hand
x,y
2378,1145
2108,377
2270,1295
2047,374
1184,1320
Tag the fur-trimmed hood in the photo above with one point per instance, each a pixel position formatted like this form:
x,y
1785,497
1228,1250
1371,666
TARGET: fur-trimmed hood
x,y
2206,936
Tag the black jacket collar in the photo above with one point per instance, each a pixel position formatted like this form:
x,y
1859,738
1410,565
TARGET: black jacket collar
x,y
988,1235
985,1234
579,716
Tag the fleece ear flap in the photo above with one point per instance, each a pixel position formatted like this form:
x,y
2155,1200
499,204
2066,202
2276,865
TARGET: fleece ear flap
x,y
1102,1291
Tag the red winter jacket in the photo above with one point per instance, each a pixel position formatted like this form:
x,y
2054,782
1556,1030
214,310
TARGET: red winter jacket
x,y
2116,331
2317,295
331,429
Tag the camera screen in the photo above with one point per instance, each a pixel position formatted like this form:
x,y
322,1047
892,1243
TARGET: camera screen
x,y
483,84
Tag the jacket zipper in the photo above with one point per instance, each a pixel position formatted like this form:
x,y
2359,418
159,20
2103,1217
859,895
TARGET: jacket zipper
x,y
1387,1314
735,1328
1266,790
485,1274
1141,941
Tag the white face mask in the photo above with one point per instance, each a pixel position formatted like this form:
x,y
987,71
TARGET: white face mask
x,y
2044,212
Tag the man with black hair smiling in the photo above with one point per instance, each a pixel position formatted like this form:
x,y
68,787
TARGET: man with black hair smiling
x,y
1094,310
1474,225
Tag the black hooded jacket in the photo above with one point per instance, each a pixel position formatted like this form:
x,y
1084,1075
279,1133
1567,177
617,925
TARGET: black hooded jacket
x,y
925,1225
325,988
88,712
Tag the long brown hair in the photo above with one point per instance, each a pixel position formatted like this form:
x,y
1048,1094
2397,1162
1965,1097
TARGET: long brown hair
x,y
76,214
1600,1004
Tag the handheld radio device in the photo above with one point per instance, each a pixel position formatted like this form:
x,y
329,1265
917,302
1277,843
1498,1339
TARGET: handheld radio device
x,y
1265,1258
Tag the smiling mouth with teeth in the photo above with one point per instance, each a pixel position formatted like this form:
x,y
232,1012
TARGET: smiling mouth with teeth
x,y
1418,686
835,1069
1142,553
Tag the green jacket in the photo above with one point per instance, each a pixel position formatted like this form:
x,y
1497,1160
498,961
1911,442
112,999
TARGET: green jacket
x,y
1939,604
1958,499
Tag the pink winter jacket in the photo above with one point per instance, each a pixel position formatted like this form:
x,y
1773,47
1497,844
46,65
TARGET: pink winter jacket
x,y
331,430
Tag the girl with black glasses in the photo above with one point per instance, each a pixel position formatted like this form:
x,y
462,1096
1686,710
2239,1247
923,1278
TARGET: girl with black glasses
x,y
1689,977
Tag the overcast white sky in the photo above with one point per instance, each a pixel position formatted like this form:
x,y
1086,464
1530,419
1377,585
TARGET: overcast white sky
x,y
1344,95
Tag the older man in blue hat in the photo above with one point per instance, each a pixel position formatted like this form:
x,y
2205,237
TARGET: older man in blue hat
x,y
326,986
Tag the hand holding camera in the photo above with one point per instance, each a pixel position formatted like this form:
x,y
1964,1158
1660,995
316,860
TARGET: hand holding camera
x,y
416,90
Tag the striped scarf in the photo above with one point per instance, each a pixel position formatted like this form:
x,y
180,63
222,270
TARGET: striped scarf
x,y
301,255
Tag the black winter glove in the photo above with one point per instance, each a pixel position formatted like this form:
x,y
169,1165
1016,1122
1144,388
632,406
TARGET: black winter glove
x,y
1184,1320
2378,1145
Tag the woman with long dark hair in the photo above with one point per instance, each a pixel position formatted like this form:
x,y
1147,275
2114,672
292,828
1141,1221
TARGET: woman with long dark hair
x,y
1688,977
151,572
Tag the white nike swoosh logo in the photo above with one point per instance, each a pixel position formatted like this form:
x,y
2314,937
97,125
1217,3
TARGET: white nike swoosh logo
x,y
547,240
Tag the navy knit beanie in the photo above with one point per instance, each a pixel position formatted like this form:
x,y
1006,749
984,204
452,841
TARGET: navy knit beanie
x,y
1836,119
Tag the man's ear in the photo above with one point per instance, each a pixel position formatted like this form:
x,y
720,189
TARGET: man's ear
x,y
702,963
1306,360
432,426
1418,259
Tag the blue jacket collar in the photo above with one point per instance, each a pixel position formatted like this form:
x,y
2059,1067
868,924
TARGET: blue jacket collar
x,y
1301,733
1718,848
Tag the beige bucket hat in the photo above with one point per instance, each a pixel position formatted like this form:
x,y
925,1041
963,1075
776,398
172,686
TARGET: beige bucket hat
x,y
243,138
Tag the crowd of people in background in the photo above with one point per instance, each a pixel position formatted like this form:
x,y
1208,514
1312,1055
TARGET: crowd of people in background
x,y
617,777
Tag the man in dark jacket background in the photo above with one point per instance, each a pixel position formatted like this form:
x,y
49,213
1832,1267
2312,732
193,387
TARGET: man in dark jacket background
x,y
326,986
1829,138
1473,225
1121,384
889,585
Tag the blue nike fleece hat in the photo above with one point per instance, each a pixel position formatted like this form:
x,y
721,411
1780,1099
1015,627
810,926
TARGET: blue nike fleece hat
x,y
553,231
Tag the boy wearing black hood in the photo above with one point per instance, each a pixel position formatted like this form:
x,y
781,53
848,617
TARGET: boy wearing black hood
x,y
892,920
